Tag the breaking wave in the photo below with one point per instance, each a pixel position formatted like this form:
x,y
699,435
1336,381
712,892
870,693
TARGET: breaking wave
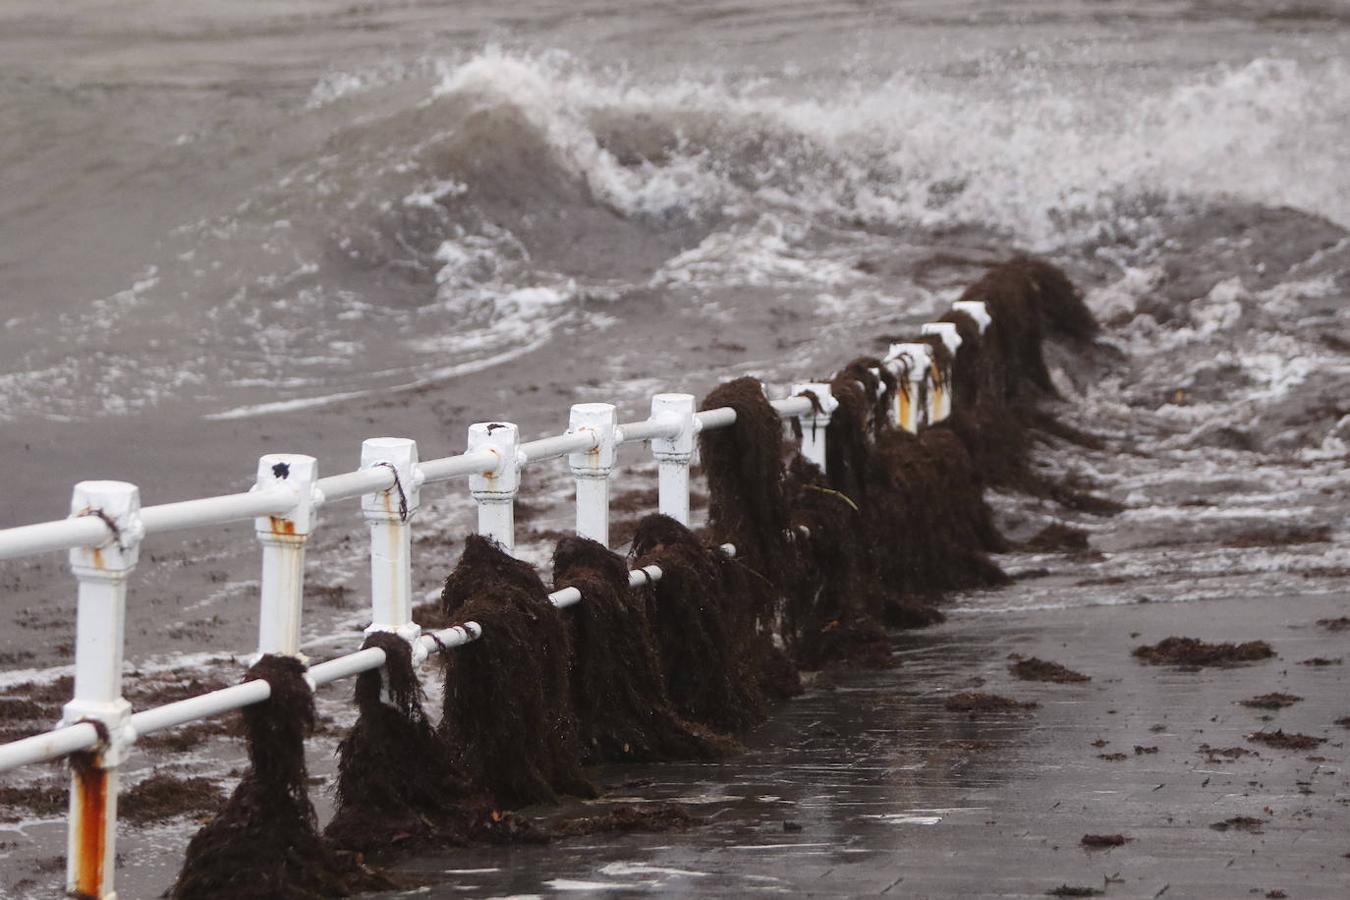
x,y
514,192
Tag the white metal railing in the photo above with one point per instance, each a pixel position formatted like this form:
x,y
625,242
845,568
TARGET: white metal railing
x,y
107,524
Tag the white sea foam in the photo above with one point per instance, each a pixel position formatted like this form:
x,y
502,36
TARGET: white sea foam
x,y
789,178
1025,151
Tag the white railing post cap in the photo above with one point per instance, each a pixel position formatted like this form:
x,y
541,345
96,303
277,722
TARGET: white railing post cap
x,y
118,504
400,454
297,472
675,408
918,356
824,396
976,310
503,439
951,338
602,419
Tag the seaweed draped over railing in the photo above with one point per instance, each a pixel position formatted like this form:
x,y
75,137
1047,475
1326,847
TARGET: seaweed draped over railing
x,y
812,547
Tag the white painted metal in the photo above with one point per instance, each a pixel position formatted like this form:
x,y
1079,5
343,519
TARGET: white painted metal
x,y
673,451
556,446
791,407
100,627
220,510
940,397
708,419
434,470
454,636
911,364
566,597
171,715
815,422
283,551
951,338
650,429
355,484
48,746
592,467
389,514
571,596
976,310
66,534
725,416
283,503
47,536
345,666
494,487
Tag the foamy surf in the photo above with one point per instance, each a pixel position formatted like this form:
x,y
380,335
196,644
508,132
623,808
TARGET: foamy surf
x,y
504,183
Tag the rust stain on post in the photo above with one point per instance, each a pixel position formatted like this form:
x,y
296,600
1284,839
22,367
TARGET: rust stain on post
x,y
98,557
91,795
282,526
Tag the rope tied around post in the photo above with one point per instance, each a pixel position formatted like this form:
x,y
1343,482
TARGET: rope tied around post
x,y
817,409
398,486
110,522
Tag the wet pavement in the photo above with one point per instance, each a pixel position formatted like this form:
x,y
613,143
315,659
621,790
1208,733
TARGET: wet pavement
x,y
868,785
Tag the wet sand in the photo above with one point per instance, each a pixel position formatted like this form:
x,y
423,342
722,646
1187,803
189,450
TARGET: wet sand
x,y
895,794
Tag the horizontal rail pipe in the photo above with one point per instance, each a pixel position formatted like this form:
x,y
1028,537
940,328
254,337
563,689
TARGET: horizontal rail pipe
x,y
48,746
203,706
722,417
571,596
446,468
90,531
636,432
350,485
557,446
63,534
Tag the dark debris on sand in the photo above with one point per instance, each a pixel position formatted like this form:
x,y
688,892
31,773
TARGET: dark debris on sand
x,y
748,507
1339,624
834,613
380,809
1102,841
654,817
1055,537
1033,669
165,796
1069,890
1248,824
1320,661
265,842
976,702
1286,741
624,712
706,680
45,798
1224,754
1189,652
1274,700
507,705
1281,537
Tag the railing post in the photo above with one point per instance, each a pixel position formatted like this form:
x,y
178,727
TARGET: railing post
x,y
283,551
591,468
389,514
976,310
911,365
816,421
495,491
674,453
941,406
102,572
